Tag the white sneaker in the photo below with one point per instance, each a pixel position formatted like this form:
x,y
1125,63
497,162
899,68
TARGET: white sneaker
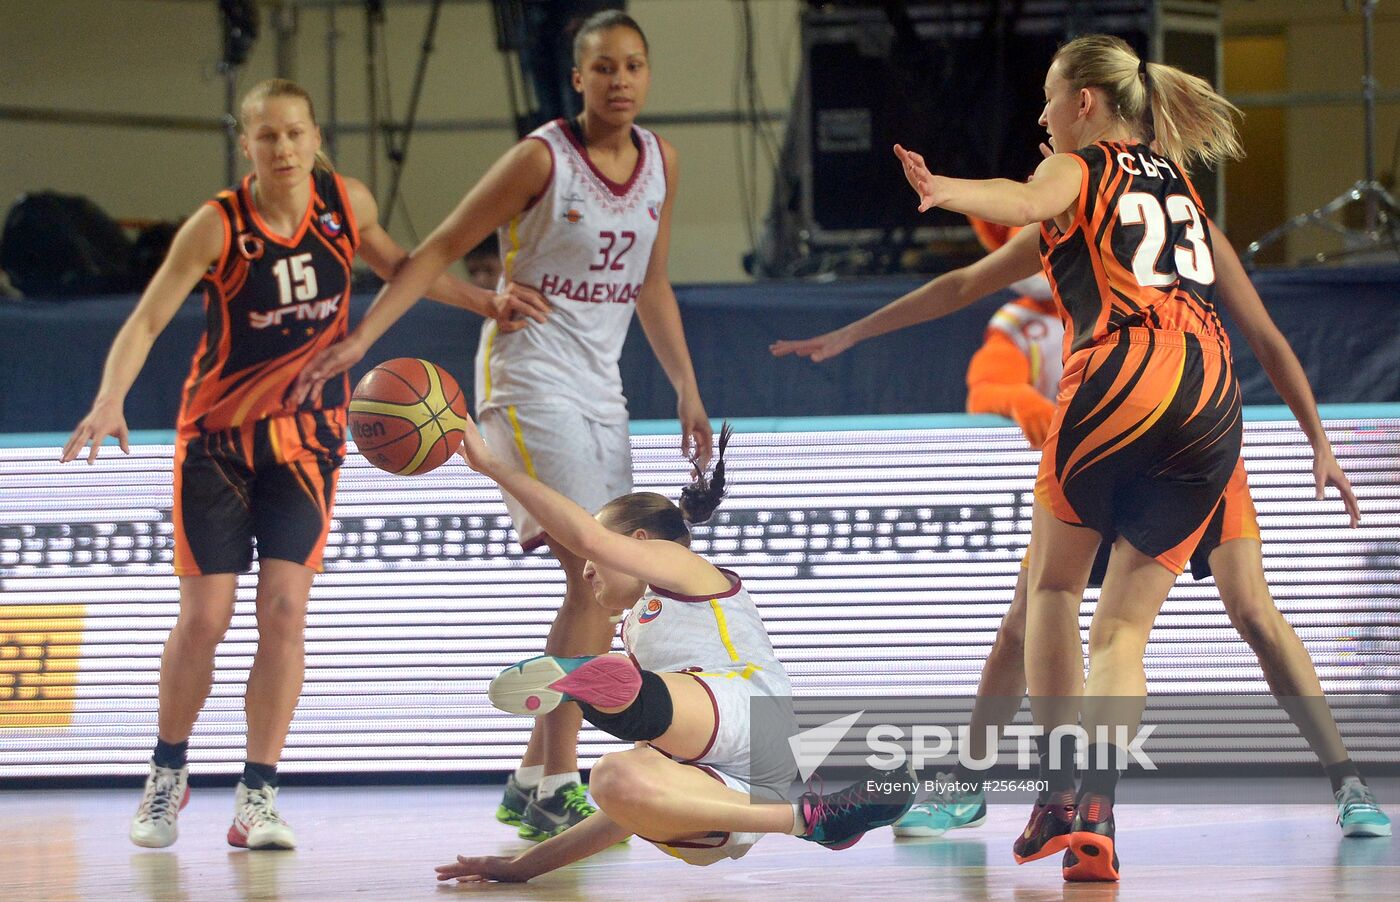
x,y
256,823
167,791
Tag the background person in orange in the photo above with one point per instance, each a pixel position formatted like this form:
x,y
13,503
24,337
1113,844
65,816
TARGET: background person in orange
x,y
1016,372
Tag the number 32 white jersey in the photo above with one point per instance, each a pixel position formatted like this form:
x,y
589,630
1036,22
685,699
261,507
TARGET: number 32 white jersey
x,y
584,244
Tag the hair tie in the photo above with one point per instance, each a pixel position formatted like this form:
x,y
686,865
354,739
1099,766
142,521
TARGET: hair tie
x,y
1142,68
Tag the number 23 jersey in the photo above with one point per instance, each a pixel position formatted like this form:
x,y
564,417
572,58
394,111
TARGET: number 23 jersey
x,y
1137,252
584,243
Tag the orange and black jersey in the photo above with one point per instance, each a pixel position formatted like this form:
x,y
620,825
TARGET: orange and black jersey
x,y
271,303
1137,253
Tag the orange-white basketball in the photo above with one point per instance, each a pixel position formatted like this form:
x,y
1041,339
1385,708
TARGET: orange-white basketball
x,y
407,416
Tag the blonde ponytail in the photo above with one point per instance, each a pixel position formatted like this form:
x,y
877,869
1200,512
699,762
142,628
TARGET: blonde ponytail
x,y
1179,114
1190,121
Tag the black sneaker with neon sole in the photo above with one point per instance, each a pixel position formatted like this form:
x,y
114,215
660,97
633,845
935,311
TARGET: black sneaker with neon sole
x,y
1047,831
553,815
514,801
1091,855
877,798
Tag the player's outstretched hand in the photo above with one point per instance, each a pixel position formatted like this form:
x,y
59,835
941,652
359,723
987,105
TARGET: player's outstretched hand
x,y
332,361
103,420
822,347
513,308
916,172
482,869
475,451
1326,471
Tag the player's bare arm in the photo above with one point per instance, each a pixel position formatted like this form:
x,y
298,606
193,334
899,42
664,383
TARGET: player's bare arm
x,y
196,247
661,322
948,293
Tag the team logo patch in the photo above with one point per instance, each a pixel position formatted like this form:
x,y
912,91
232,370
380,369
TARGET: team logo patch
x,y
330,223
652,611
573,212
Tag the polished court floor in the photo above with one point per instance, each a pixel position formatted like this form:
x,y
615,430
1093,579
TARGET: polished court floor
x,y
381,843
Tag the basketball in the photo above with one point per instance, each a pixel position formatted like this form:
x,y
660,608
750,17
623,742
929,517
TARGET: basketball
x,y
406,416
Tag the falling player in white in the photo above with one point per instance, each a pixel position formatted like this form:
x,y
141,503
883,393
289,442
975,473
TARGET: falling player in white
x,y
698,784
582,210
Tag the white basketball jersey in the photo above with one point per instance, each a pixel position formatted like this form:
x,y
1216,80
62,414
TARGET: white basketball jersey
x,y
584,244
1035,327
712,634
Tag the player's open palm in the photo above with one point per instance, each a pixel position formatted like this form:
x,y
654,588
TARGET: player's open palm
x,y
481,869
822,347
332,361
1326,471
103,420
916,172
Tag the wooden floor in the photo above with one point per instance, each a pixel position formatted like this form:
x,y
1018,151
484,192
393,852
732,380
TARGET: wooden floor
x,y
382,843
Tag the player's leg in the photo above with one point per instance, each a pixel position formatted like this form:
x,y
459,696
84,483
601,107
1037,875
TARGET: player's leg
x,y
186,675
669,802
298,464
1239,575
213,541
580,628
1061,556
666,801
1115,693
672,711
269,701
559,447
999,692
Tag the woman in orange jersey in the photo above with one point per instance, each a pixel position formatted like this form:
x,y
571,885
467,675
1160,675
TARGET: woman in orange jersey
x,y
273,257
1147,427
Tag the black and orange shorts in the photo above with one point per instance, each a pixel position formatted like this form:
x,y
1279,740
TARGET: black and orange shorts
x,y
271,482
1145,437
1235,518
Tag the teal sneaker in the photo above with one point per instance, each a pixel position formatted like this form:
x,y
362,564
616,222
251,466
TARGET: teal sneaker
x,y
949,811
1358,812
514,801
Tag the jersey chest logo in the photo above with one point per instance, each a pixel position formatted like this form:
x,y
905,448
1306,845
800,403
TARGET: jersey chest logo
x,y
573,209
331,224
652,611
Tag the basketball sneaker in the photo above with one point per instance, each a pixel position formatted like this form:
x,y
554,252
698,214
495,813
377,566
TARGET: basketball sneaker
x,y
839,819
167,791
948,811
554,814
539,685
514,801
1091,854
256,823
1047,832
1358,811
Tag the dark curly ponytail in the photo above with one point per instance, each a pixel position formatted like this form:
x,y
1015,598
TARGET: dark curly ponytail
x,y
662,519
701,497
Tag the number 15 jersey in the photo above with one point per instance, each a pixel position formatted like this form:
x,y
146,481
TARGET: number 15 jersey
x,y
1137,253
584,243
271,303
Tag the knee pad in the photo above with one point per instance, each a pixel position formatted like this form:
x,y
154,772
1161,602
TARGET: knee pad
x,y
648,717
